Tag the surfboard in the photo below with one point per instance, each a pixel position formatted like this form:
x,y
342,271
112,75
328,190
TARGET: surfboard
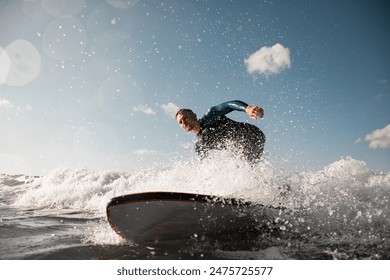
x,y
153,217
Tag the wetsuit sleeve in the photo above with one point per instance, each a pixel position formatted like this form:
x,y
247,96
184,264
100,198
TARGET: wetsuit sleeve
x,y
222,109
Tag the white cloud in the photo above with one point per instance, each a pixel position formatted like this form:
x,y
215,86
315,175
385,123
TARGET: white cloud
x,y
144,152
379,138
5,103
170,109
144,109
269,60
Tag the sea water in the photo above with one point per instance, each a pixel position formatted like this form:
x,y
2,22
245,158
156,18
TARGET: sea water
x,y
339,212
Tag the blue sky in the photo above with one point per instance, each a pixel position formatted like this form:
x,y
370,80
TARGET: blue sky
x,y
95,83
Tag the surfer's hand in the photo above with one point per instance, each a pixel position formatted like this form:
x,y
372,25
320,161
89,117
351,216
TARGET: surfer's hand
x,y
254,112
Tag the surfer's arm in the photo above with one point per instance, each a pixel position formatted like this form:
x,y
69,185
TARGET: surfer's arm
x,y
227,107
235,105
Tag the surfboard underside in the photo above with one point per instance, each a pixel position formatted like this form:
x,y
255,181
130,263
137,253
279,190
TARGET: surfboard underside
x,y
161,217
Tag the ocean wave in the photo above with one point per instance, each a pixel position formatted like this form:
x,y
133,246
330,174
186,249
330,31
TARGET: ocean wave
x,y
342,201
345,181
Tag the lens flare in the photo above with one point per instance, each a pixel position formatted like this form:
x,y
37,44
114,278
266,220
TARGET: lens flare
x,y
25,63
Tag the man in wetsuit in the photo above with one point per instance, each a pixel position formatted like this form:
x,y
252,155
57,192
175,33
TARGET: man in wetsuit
x,y
217,132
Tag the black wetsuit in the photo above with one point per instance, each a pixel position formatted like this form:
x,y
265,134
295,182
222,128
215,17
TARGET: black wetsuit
x,y
218,132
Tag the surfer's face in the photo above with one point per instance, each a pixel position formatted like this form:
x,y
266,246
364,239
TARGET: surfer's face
x,y
187,120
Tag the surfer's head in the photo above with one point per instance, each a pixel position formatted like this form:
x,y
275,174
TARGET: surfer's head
x,y
187,120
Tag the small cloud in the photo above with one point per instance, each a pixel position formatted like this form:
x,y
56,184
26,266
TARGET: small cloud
x,y
269,60
5,103
145,152
170,109
357,141
379,138
144,109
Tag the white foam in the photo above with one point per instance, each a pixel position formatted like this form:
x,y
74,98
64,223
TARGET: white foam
x,y
84,189
343,196
101,233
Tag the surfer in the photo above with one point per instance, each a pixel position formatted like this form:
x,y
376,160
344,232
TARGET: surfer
x,y
215,131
